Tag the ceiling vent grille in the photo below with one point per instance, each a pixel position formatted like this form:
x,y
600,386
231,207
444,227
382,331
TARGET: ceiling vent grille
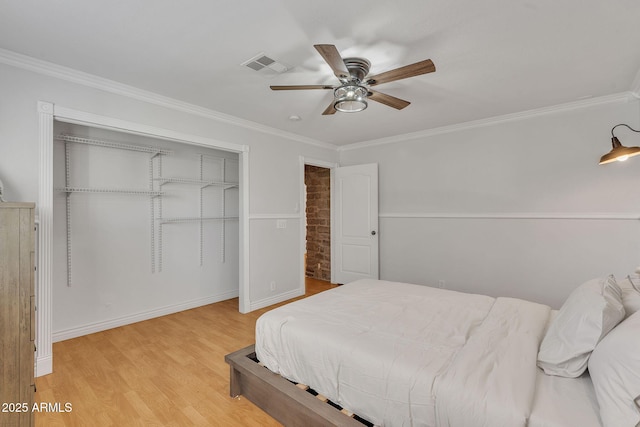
x,y
264,64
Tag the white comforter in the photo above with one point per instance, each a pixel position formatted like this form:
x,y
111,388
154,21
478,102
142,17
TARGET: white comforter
x,y
407,355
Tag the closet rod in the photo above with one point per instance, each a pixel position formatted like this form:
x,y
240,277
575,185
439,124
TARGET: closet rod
x,y
110,144
196,182
109,190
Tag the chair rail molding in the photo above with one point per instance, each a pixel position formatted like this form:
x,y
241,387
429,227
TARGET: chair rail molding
x,y
630,216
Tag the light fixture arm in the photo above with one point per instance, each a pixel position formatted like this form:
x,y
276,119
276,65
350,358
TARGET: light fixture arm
x,y
623,124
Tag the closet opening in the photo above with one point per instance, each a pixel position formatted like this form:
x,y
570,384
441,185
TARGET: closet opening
x,y
142,227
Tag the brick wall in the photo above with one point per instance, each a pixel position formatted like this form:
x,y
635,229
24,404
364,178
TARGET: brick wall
x,y
318,185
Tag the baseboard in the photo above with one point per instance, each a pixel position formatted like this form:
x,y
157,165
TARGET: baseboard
x,y
138,317
44,366
265,302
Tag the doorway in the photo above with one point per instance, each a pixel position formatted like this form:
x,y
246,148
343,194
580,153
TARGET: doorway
x,y
317,182
352,201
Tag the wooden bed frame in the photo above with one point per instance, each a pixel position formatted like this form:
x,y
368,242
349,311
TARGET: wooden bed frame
x,y
285,401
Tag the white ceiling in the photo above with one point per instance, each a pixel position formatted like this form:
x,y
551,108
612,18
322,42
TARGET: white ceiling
x,y
493,57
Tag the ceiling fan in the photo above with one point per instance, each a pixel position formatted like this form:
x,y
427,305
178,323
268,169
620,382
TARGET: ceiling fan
x,y
355,86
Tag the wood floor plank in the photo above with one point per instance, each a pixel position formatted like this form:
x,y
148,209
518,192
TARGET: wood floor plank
x,y
168,371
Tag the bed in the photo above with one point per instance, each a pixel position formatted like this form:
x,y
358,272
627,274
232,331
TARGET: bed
x,y
396,354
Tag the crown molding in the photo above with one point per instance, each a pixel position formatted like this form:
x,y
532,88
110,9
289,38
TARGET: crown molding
x,y
584,103
89,80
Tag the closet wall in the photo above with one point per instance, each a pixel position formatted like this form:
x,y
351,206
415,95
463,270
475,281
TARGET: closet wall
x,y
160,235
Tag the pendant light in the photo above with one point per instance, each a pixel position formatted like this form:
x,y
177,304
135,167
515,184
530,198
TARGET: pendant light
x,y
619,152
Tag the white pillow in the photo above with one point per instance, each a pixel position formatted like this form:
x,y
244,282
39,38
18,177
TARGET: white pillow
x,y
614,367
634,280
591,310
630,295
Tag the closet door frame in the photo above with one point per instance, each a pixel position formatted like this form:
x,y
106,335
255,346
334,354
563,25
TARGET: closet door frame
x,y
48,113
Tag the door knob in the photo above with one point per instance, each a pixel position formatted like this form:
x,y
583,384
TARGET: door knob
x,y
373,233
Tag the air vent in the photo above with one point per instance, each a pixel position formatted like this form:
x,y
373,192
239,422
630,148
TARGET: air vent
x,y
263,63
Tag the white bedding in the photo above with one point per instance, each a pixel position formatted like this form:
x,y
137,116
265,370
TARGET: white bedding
x,y
564,402
407,355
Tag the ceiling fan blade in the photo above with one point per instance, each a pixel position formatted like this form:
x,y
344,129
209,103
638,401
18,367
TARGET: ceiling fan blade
x,y
332,57
422,67
388,100
301,87
329,110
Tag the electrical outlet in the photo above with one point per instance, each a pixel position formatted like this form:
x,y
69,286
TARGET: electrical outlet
x,y
272,285
441,284
281,223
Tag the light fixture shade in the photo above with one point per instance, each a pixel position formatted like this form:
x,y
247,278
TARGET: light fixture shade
x,y
350,98
619,152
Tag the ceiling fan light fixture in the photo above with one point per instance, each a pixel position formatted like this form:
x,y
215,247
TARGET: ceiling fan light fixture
x,y
350,98
354,91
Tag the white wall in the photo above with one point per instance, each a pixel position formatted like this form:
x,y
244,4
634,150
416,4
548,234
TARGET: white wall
x,y
482,181
475,207
273,157
274,160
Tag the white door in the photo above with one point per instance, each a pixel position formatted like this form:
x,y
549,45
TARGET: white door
x,y
356,223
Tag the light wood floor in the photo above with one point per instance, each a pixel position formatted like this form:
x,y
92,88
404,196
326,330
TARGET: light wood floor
x,y
168,371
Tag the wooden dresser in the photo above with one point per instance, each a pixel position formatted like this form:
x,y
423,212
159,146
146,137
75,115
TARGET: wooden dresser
x,y
17,313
